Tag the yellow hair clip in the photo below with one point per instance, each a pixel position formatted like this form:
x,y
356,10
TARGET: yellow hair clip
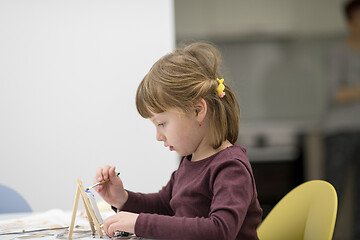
x,y
220,88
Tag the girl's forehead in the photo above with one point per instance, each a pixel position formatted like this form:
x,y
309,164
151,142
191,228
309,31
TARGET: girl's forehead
x,y
155,116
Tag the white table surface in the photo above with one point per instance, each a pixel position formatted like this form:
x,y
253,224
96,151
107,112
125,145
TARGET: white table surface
x,y
44,235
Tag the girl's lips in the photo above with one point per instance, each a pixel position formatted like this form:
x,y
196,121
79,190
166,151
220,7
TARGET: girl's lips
x,y
171,148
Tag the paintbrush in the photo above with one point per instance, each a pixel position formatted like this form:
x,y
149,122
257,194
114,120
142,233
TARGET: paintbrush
x,y
35,230
101,182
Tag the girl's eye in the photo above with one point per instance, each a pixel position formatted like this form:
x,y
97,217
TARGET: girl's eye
x,y
161,124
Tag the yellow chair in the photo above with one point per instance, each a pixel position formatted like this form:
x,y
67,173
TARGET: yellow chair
x,y
307,212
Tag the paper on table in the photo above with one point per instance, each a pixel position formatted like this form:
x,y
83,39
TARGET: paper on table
x,y
50,219
54,218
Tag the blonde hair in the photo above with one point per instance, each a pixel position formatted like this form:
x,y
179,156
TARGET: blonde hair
x,y
183,77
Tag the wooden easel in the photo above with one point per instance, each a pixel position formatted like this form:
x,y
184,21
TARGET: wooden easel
x,y
88,208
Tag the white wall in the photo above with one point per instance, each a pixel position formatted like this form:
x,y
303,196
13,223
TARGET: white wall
x,y
69,70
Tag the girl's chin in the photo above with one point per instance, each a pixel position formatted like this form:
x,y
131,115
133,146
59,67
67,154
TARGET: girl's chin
x,y
182,154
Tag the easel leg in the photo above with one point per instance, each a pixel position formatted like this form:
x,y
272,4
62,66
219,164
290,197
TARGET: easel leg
x,y
76,203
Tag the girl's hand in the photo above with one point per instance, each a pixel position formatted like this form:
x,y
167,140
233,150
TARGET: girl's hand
x,y
122,221
112,191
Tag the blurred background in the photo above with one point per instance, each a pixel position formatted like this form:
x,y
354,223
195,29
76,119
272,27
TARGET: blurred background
x,y
275,55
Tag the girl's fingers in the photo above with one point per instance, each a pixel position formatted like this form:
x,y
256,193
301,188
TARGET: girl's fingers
x,y
105,172
107,223
122,221
99,188
112,172
102,174
99,175
112,228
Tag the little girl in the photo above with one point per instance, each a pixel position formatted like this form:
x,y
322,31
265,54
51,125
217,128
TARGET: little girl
x,y
212,195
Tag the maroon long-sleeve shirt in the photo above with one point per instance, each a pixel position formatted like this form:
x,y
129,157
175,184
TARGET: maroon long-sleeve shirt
x,y
214,198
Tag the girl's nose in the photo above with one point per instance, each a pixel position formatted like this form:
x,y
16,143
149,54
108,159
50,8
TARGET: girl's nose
x,y
159,136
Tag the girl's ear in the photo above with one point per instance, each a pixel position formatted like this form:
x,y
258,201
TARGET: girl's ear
x,y
200,109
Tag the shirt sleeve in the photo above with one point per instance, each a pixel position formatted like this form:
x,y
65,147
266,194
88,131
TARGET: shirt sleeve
x,y
157,203
232,187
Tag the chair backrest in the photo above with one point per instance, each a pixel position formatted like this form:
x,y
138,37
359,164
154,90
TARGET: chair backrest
x,y
12,202
307,212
